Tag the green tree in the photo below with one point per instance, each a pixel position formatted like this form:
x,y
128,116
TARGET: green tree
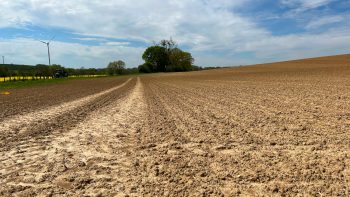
x,y
4,72
53,68
145,68
166,57
92,71
110,69
71,71
180,60
156,58
169,45
42,70
116,67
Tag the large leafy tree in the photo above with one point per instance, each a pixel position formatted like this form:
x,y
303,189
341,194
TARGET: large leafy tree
x,y
180,60
116,67
169,45
156,58
165,57
145,68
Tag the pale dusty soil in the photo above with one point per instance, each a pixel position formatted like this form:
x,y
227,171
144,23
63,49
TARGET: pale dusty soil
x,y
278,129
26,100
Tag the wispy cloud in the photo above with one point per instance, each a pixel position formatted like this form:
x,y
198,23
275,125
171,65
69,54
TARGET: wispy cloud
x,y
91,39
117,43
303,5
319,22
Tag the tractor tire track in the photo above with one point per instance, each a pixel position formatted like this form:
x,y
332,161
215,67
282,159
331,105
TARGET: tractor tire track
x,y
61,116
96,156
26,100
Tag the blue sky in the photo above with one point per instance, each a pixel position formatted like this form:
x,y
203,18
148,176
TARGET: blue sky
x,y
216,32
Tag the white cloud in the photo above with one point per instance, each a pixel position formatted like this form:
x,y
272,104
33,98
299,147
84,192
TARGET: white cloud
x,y
301,46
304,5
319,22
147,21
91,39
117,43
204,26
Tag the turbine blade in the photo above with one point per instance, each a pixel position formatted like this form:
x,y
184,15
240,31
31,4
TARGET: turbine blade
x,y
53,37
40,41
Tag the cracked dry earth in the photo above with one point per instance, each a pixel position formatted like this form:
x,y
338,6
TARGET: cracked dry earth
x,y
269,130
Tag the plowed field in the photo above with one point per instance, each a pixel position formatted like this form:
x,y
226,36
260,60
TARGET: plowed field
x,y
272,129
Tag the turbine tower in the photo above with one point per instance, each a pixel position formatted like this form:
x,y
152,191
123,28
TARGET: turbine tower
x,y
48,48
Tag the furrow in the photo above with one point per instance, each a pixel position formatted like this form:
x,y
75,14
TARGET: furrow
x,y
19,123
94,156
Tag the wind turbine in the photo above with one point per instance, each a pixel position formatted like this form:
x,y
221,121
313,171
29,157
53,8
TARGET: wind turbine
x,y
48,48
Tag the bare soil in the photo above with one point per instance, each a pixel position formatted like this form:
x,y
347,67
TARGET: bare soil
x,y
279,129
24,100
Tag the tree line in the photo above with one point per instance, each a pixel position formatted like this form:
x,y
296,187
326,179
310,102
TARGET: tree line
x,y
14,72
164,56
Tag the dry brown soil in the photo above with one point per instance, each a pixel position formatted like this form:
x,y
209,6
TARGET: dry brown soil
x,y
279,129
